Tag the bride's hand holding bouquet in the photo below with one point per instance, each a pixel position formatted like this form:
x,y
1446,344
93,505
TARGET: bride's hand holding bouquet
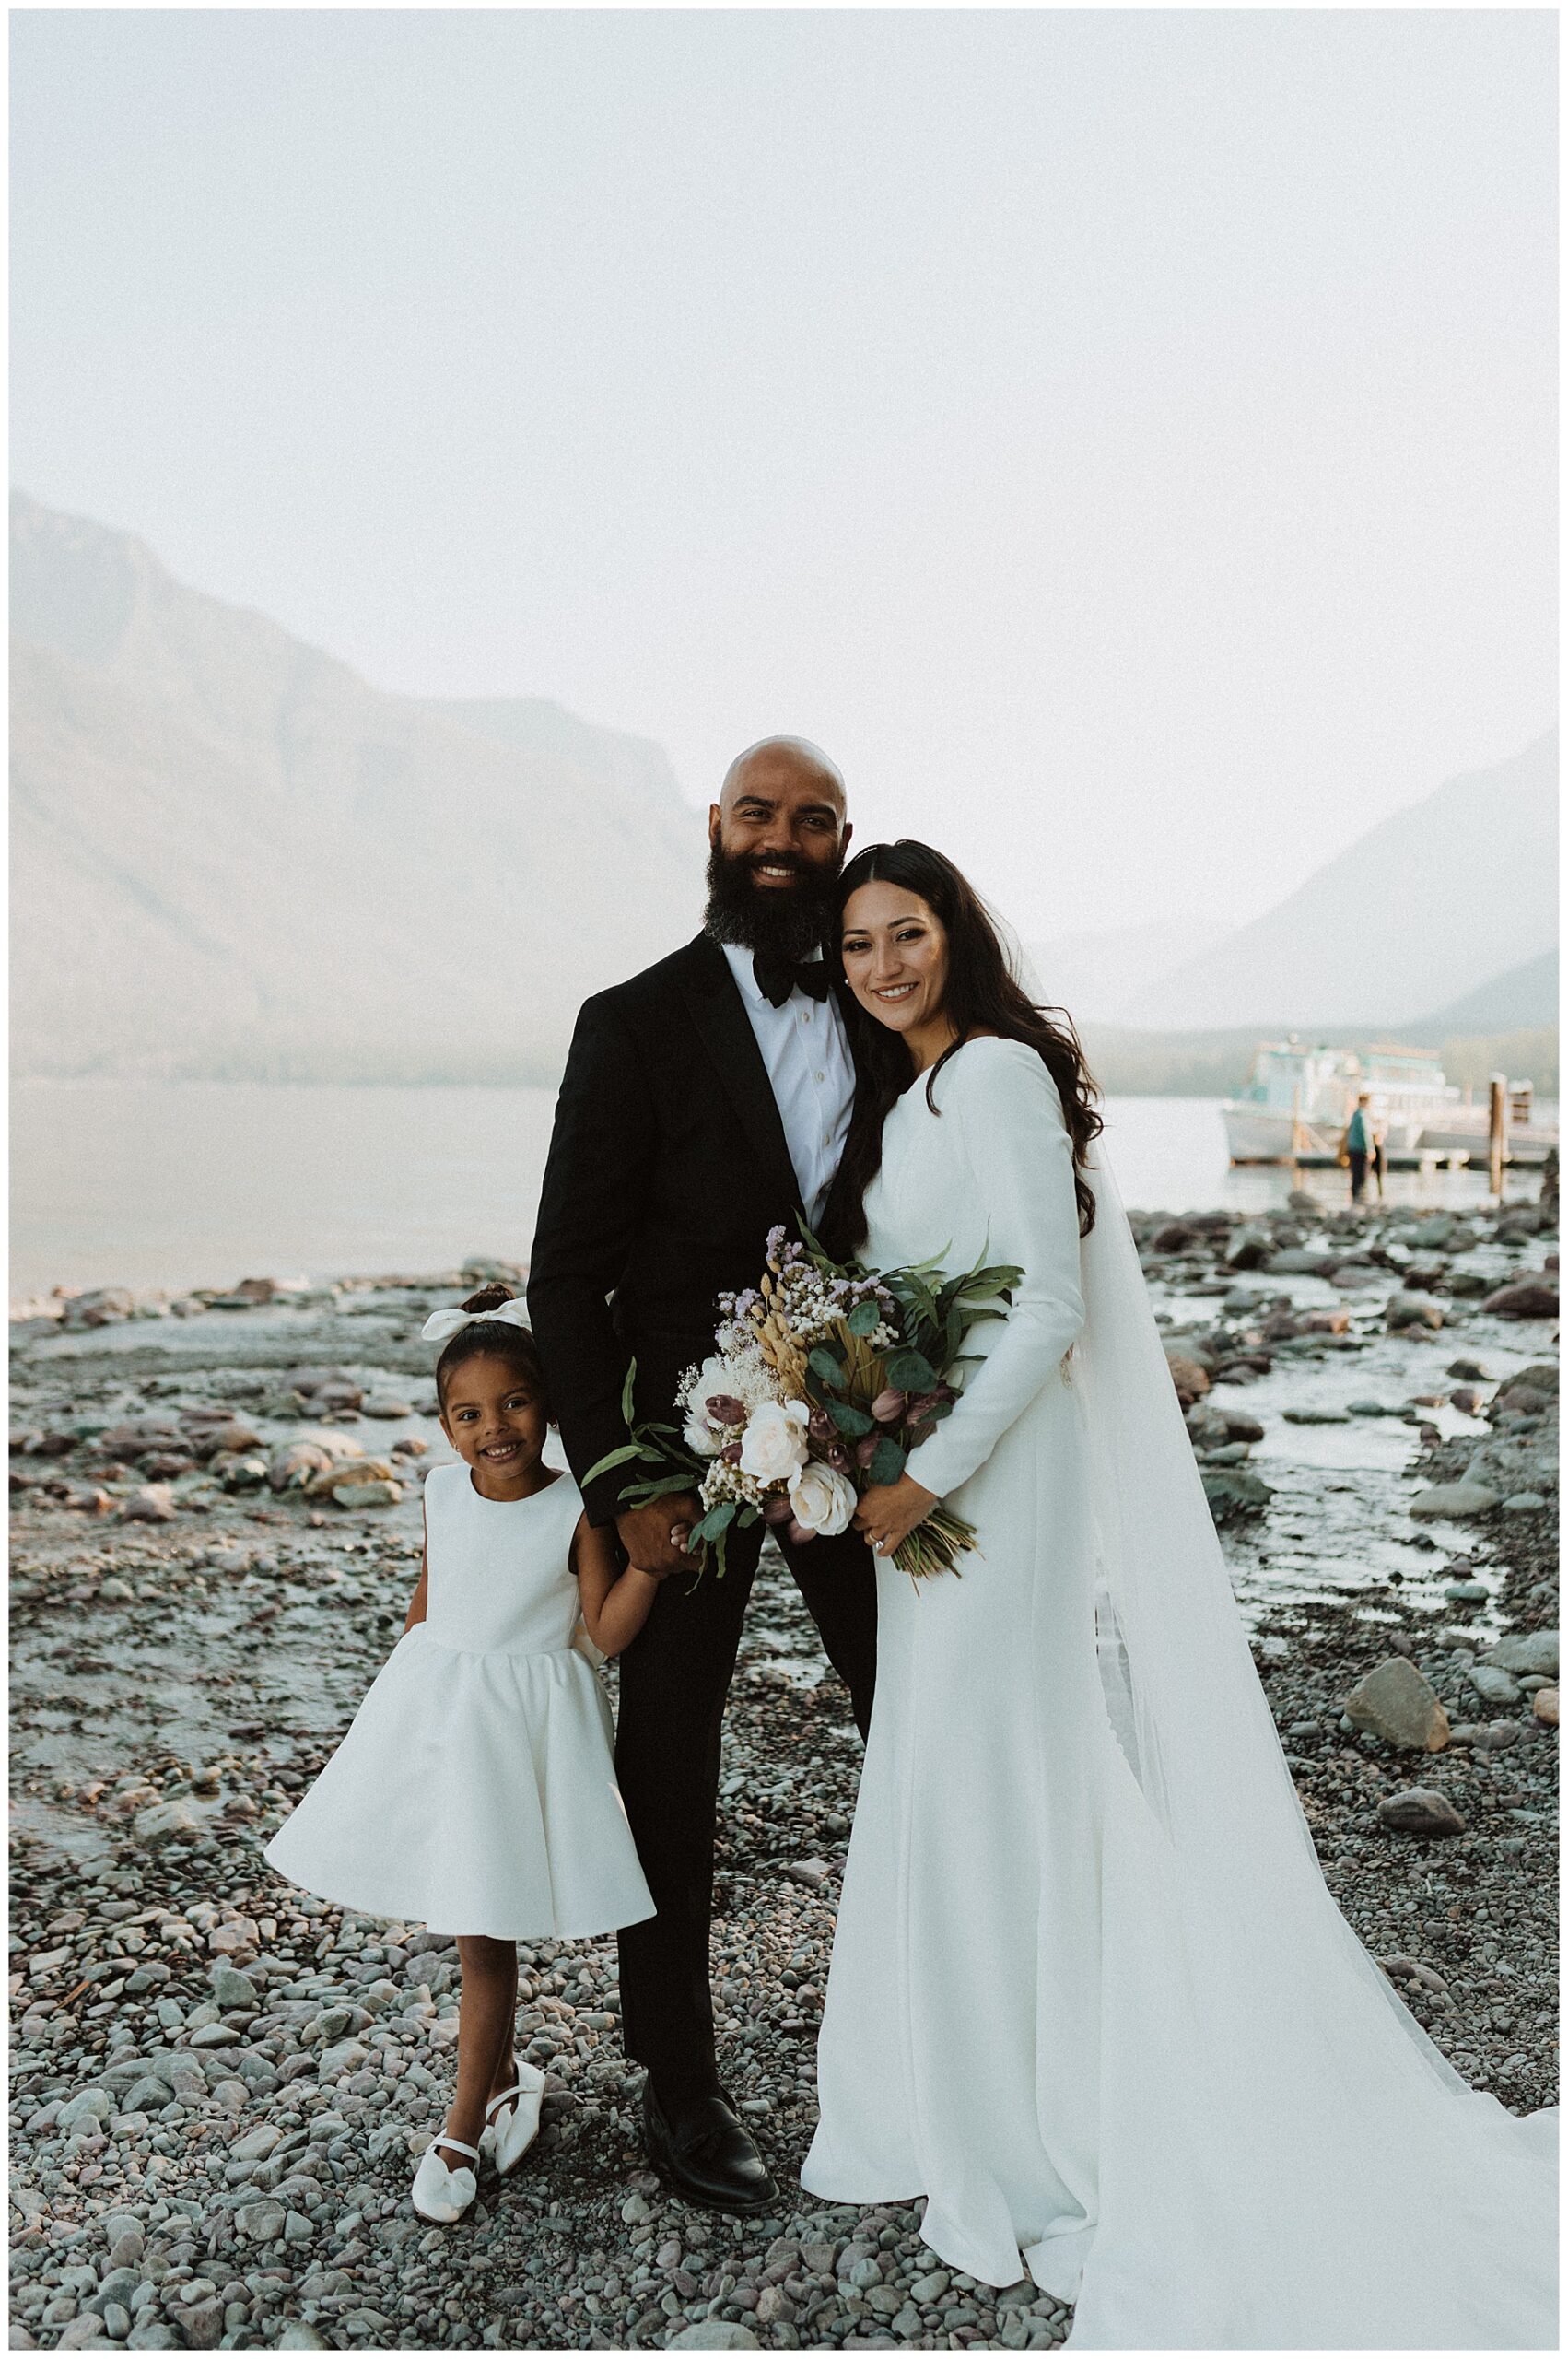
x,y
823,1379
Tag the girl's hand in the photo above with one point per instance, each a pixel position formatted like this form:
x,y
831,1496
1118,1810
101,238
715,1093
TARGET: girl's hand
x,y
889,1512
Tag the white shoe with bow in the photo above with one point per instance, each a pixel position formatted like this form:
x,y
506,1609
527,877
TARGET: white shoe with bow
x,y
513,2116
440,2193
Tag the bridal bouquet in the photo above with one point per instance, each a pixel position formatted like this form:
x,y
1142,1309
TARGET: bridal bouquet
x,y
822,1379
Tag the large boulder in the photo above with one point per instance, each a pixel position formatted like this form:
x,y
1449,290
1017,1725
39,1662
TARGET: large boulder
x,y
1442,1501
1407,1310
1526,1298
1530,1389
1493,1684
1419,1810
169,1822
1234,1490
1528,1651
154,1503
1191,1379
1397,1703
100,1307
138,1437
713,2334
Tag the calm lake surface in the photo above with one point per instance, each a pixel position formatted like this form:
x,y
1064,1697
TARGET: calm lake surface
x,y
175,1184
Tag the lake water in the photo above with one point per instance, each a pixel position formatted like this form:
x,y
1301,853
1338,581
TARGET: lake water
x,y
199,1184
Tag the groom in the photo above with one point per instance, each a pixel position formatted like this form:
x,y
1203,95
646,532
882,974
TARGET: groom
x,y
703,1101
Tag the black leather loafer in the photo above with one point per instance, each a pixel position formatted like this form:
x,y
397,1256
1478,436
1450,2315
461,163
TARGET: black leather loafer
x,y
703,2150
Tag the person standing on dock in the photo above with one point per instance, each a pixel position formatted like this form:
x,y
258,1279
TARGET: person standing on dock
x,y
1357,1146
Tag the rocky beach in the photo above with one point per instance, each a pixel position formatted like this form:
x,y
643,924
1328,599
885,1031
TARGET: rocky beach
x,y
220,2084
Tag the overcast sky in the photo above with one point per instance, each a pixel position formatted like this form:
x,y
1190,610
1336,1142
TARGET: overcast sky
x,y
1125,439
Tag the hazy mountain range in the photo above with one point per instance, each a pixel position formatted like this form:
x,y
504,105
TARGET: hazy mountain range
x,y
231,858
1454,898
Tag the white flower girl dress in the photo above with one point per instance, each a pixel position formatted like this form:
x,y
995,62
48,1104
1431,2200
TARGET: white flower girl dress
x,y
475,1791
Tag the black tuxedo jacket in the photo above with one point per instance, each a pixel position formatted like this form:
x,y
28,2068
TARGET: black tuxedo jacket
x,y
668,1166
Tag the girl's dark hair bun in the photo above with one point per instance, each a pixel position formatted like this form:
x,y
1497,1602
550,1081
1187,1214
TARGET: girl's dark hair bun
x,y
490,1298
487,1338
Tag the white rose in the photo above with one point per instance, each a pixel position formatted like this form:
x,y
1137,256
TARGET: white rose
x,y
715,1376
823,1499
773,1447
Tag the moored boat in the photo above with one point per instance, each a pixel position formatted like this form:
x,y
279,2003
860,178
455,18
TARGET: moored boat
x,y
1300,1098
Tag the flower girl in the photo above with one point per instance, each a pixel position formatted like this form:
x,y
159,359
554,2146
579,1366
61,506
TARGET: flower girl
x,y
475,1790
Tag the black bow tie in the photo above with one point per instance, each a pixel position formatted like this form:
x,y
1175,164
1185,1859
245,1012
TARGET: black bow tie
x,y
776,977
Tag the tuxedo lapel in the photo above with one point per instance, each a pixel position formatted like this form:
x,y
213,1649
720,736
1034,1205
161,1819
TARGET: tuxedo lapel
x,y
725,1028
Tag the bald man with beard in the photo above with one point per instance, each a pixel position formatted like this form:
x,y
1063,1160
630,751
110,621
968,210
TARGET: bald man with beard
x,y
704,1102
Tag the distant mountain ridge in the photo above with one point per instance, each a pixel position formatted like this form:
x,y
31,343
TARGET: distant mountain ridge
x,y
231,858
1431,904
1098,974
1525,997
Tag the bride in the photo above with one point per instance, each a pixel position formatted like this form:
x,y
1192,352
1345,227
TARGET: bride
x,y
1089,1995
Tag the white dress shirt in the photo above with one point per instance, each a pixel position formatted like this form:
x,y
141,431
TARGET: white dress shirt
x,y
806,1052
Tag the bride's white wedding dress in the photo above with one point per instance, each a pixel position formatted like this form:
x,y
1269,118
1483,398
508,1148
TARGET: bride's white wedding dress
x,y
1089,1995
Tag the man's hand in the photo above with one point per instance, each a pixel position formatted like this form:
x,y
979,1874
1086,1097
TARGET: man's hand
x,y
654,1537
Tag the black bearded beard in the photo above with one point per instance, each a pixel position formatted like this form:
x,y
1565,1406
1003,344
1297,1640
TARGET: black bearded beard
x,y
782,922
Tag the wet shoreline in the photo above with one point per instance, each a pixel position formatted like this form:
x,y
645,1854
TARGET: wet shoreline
x,y
219,2088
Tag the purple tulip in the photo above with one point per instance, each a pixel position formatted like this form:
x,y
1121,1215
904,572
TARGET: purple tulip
x,y
821,1427
778,1510
725,1410
888,1406
866,1450
800,1533
731,1453
921,1407
837,1457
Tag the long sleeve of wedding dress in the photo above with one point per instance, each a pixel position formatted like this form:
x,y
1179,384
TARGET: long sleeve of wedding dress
x,y
1004,1108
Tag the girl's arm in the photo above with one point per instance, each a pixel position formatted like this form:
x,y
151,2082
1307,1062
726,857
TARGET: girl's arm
x,y
418,1604
616,1601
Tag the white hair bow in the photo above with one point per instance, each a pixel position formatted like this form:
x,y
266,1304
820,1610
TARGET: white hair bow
x,y
441,1324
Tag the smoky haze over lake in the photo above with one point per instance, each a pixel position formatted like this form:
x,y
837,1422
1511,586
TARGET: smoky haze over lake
x,y
172,1185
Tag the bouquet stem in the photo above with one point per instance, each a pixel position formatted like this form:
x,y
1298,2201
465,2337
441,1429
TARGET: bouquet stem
x,y
934,1545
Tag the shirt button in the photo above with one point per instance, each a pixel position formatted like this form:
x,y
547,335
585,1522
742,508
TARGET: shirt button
x,y
822,1076
805,1016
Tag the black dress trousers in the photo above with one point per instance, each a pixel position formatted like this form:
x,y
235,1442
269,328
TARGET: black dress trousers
x,y
675,1678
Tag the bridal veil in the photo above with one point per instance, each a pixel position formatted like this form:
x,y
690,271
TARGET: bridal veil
x,y
1286,2159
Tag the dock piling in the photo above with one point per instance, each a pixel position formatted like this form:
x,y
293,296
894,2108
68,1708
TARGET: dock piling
x,y
1497,1131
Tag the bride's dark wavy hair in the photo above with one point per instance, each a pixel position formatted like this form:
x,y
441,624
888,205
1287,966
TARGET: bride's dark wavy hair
x,y
982,995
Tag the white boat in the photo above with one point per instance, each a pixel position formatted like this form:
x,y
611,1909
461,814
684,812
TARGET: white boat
x,y
1300,1099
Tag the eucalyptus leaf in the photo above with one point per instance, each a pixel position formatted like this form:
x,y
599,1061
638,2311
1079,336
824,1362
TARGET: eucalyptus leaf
x,y
911,1372
888,1461
715,1522
850,1420
613,1458
865,1316
658,1486
826,1364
